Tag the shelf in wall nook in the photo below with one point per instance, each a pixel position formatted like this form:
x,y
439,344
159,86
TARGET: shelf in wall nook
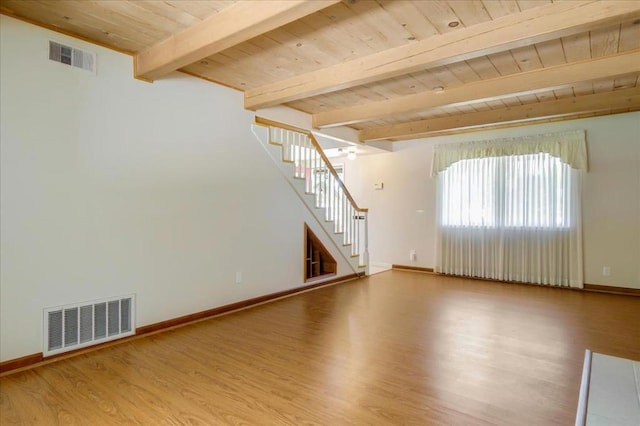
x,y
318,262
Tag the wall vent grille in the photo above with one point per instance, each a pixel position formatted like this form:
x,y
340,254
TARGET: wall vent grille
x,y
71,56
84,324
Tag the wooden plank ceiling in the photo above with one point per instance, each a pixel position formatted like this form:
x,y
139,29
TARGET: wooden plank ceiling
x,y
392,69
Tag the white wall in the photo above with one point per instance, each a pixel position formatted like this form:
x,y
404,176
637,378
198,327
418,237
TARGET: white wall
x,y
611,202
112,186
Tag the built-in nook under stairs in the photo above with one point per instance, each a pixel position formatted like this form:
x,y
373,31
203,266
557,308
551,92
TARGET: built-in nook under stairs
x,y
303,163
318,261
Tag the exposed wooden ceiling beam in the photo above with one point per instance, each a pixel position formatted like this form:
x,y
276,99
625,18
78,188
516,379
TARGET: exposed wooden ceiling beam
x,y
234,24
484,90
531,26
609,101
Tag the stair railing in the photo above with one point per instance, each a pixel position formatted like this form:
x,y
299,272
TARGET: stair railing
x,y
300,147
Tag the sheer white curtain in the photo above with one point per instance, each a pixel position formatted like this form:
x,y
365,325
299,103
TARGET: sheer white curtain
x,y
509,209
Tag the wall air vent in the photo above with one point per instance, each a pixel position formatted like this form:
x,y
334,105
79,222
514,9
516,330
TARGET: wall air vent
x,y
71,56
79,325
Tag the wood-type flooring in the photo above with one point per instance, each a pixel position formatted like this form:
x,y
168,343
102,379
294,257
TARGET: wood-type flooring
x,y
394,348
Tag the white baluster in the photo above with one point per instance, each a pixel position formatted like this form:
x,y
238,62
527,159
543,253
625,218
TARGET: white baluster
x,y
347,231
301,142
317,177
294,152
298,140
336,210
339,210
358,224
354,231
332,196
344,216
365,255
285,146
350,224
305,150
314,173
327,205
326,193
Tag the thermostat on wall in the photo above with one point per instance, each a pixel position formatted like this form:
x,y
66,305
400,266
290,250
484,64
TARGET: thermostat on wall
x,y
378,185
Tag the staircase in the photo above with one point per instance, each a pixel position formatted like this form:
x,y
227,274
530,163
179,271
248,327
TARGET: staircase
x,y
302,162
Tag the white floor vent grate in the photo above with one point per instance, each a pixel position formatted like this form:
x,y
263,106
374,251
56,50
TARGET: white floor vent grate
x,y
89,323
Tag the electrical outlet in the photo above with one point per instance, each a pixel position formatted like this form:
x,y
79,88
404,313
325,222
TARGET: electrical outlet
x,y
606,271
238,277
412,255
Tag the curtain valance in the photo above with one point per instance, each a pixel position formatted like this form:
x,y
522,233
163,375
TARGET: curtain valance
x,y
570,147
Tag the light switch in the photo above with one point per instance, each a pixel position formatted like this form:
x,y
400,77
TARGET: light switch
x,y
378,185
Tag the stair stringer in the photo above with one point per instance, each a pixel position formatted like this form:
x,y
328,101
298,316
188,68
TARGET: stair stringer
x,y
298,185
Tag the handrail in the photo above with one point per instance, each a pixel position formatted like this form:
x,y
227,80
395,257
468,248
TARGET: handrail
x,y
267,122
341,218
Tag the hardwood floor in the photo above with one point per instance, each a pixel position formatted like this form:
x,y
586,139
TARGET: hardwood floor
x,y
395,348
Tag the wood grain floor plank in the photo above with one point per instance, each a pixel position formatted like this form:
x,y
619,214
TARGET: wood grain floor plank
x,y
395,348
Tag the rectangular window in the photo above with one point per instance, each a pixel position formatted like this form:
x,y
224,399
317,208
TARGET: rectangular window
x,y
527,191
509,209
